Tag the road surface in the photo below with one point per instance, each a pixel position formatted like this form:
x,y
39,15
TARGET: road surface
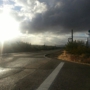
x,y
34,71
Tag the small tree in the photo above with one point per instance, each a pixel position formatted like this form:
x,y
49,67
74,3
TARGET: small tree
x,y
76,47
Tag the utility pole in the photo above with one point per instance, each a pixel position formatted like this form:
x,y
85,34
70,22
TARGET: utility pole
x,y
72,34
88,38
71,38
89,33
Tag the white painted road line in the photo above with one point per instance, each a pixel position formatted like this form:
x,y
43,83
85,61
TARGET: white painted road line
x,y
46,84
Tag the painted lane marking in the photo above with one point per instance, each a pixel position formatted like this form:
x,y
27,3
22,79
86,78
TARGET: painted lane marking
x,y
48,81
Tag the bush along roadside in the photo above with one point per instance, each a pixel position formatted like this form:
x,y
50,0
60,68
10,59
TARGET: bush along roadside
x,y
78,51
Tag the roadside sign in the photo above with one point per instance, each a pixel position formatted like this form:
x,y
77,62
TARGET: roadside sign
x,y
89,31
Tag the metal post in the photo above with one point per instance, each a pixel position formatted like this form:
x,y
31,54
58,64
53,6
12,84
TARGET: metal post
x,y
72,34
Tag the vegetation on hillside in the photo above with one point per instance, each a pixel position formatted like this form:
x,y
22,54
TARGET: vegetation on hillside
x,y
76,51
9,47
77,48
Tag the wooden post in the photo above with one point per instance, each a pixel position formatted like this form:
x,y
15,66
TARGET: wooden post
x,y
72,34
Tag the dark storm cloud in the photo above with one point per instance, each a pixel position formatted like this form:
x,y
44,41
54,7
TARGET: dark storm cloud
x,y
60,17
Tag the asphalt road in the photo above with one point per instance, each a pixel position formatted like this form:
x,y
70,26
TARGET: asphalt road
x,y
27,71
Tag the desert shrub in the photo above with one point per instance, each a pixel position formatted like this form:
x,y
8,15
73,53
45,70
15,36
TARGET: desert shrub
x,y
18,46
77,48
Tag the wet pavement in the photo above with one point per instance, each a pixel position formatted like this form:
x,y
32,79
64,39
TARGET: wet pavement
x,y
27,71
72,77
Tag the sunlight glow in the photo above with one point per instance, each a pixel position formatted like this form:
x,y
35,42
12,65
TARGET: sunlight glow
x,y
8,26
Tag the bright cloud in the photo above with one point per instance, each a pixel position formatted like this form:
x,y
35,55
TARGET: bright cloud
x,y
29,8
48,21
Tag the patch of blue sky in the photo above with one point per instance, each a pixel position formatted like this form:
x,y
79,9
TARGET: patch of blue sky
x,y
1,2
17,8
80,35
9,2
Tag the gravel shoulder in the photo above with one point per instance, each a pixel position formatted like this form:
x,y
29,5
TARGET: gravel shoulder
x,y
63,55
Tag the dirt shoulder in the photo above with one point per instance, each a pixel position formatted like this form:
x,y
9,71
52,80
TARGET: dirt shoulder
x,y
54,54
63,55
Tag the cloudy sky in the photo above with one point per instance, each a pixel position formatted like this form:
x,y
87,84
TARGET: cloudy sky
x,y
46,21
